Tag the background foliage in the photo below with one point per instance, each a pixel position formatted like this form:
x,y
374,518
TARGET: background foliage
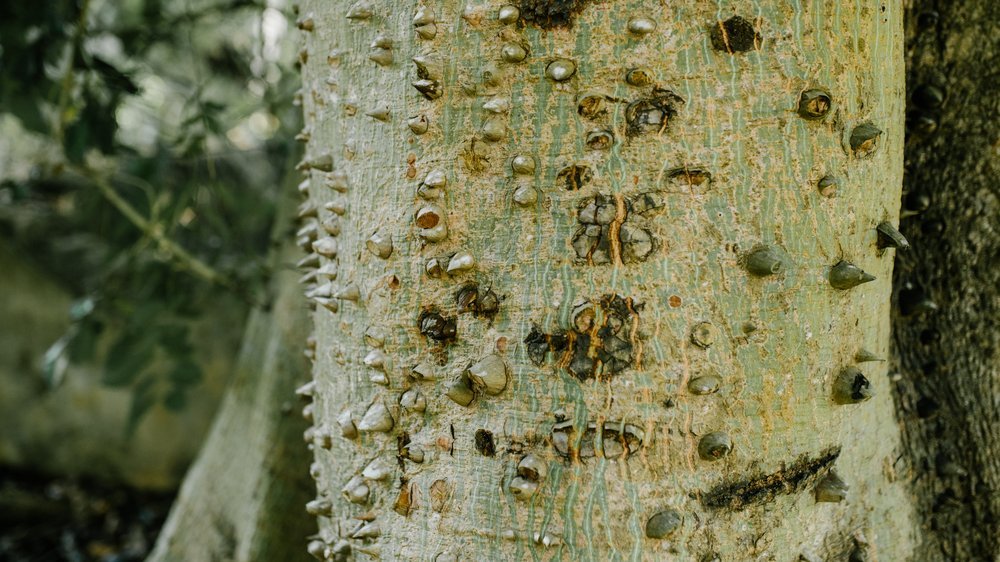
x,y
143,146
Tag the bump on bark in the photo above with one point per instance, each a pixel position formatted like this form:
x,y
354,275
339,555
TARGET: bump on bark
x,y
764,261
652,114
851,386
890,237
845,275
864,139
436,326
663,524
831,488
705,384
714,446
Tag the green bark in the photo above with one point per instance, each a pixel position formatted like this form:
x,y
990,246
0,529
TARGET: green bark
x,y
622,292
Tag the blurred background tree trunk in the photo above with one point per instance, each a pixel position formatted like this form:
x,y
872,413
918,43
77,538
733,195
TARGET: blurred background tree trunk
x,y
947,337
242,498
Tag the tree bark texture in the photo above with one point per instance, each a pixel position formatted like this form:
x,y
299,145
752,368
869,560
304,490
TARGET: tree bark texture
x,y
593,280
946,337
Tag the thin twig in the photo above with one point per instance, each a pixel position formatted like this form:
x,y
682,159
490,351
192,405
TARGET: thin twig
x,y
66,84
183,258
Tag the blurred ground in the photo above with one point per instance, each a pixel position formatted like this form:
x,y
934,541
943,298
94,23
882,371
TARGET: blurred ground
x,y
57,519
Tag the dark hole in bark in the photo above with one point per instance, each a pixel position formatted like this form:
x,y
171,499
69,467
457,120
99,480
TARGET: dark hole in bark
x,y
917,202
929,336
484,443
913,300
735,35
927,407
574,177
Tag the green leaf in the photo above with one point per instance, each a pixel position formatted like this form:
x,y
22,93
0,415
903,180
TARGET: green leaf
x,y
176,400
56,360
76,141
128,357
185,373
94,126
173,338
143,398
83,347
114,78
26,109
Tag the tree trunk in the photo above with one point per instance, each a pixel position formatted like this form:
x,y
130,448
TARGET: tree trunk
x,y
946,336
596,287
242,498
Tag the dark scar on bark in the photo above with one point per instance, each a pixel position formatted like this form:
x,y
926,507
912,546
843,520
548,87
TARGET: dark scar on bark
x,y
736,496
652,114
402,441
436,326
551,14
610,231
735,35
602,342
485,443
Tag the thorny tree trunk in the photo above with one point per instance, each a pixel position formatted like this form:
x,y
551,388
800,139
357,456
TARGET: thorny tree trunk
x,y
582,301
946,335
241,499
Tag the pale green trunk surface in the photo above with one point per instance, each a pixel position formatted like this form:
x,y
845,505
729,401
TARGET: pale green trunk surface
x,y
779,341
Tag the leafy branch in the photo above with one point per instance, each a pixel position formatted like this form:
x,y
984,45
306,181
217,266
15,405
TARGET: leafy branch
x,y
154,231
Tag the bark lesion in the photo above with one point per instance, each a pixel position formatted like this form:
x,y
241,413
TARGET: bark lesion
x,y
609,439
610,231
764,488
603,341
652,114
551,14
